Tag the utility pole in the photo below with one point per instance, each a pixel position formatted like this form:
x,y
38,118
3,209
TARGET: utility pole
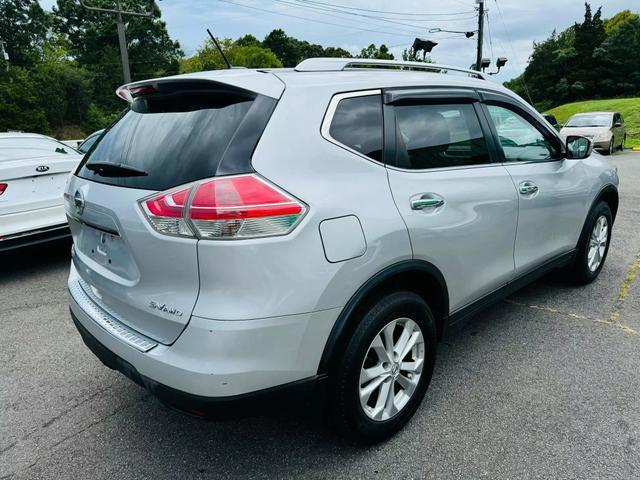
x,y
480,33
5,55
122,39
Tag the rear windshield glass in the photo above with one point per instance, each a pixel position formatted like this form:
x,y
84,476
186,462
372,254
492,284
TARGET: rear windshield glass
x,y
174,136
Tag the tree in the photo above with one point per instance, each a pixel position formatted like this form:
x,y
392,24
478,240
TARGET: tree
x,y
93,42
286,48
336,52
372,51
241,53
23,28
620,54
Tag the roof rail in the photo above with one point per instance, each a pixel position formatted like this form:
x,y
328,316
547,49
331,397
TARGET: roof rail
x,y
340,64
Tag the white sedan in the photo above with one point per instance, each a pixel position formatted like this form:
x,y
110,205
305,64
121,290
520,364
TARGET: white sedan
x,y
33,173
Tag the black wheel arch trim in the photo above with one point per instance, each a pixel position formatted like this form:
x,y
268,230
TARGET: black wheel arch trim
x,y
341,325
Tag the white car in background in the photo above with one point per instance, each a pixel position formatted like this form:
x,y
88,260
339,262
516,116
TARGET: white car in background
x,y
33,173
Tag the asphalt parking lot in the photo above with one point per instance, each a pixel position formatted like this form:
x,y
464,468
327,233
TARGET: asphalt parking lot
x,y
543,385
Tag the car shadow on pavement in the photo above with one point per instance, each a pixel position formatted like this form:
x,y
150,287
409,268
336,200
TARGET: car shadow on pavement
x,y
19,264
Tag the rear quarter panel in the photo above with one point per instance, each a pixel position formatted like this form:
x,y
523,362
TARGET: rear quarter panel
x,y
290,274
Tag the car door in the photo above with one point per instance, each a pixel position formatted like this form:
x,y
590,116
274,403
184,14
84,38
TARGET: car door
x,y
618,129
552,191
457,200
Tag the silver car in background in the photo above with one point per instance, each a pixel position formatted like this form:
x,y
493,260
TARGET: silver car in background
x,y
240,235
605,129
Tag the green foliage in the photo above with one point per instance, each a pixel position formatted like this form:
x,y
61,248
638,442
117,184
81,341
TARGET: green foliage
x,y
93,42
241,53
20,103
23,27
594,58
276,50
628,107
372,51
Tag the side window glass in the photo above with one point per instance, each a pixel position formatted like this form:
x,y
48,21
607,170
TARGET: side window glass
x,y
439,136
520,140
357,123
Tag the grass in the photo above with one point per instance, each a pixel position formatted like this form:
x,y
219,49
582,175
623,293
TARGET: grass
x,y
628,107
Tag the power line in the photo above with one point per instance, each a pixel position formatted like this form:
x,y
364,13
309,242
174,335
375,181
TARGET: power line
x,y
315,20
387,12
301,4
513,52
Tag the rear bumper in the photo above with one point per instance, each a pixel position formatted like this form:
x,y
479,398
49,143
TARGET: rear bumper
x,y
200,406
33,237
212,361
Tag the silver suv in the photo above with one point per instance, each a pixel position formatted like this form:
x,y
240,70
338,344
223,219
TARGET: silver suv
x,y
241,233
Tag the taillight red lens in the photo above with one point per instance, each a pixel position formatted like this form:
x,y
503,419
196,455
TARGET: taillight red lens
x,y
166,212
242,206
3,187
169,204
239,198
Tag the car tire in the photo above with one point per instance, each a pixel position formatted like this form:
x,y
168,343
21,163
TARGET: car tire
x,y
593,246
361,407
624,140
610,149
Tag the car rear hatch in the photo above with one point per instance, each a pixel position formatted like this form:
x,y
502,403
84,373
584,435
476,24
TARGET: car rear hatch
x,y
144,273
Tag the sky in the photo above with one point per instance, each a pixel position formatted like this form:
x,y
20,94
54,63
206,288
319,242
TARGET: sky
x,y
511,28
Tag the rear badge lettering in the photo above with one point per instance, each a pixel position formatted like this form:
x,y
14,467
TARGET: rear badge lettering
x,y
163,308
42,168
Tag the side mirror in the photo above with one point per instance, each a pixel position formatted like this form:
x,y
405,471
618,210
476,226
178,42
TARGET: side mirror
x,y
578,148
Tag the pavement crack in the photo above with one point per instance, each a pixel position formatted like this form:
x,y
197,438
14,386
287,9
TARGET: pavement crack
x,y
576,316
75,405
623,292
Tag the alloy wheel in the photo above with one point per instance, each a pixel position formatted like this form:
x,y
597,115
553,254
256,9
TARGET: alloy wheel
x,y
598,243
391,369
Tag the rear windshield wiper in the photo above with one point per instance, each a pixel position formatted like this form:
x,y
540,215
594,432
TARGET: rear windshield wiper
x,y
108,169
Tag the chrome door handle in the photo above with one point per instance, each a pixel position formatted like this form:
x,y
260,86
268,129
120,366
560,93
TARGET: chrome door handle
x,y
528,188
426,200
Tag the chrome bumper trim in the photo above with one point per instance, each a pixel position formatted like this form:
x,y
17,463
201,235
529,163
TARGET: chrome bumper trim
x,y
81,293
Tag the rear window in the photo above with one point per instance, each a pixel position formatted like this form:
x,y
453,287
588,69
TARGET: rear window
x,y
31,147
357,124
181,133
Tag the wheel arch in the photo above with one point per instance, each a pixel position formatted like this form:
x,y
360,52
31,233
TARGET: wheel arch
x,y
417,276
608,194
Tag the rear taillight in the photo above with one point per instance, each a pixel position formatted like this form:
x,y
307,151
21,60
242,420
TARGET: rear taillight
x,y
243,206
3,187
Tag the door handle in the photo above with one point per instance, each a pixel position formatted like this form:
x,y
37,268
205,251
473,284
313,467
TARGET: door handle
x,y
425,201
528,188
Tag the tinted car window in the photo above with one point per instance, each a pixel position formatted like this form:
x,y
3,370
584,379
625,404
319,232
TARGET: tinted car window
x,y
437,136
357,123
17,148
520,140
88,143
179,136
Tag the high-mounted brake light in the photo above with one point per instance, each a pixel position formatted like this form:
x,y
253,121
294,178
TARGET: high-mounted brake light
x,y
3,187
242,206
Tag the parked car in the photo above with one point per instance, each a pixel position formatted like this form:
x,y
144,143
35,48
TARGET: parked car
x,y
33,172
605,129
88,142
552,121
232,268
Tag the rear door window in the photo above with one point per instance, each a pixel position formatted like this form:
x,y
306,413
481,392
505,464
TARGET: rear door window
x,y
439,136
181,133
